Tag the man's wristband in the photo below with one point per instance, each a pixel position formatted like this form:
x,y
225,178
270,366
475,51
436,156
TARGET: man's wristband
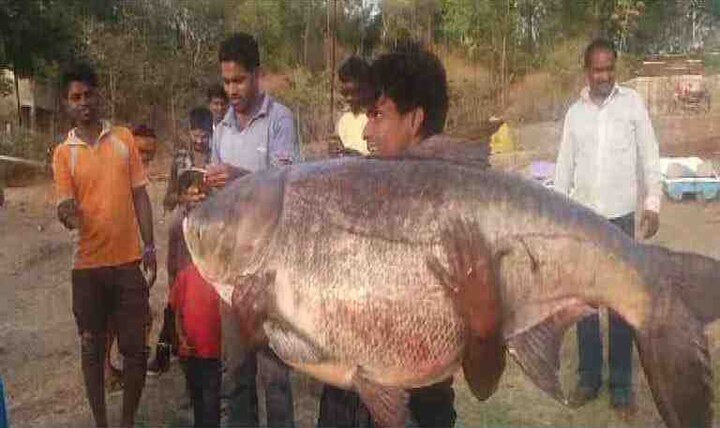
x,y
149,249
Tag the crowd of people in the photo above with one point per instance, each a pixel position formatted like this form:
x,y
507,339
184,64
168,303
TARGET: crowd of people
x,y
396,104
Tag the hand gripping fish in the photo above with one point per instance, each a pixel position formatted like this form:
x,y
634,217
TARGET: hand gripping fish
x,y
386,275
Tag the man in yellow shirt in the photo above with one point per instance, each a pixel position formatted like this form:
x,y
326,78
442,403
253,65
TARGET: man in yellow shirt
x,y
353,75
100,185
501,140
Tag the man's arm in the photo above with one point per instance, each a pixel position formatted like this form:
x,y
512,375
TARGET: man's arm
x,y
283,145
565,164
649,160
143,211
177,301
67,210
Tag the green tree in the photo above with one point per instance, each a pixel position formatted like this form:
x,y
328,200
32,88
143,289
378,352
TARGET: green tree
x,y
33,36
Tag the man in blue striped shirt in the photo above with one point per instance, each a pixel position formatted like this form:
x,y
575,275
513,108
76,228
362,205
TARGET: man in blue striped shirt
x,y
256,133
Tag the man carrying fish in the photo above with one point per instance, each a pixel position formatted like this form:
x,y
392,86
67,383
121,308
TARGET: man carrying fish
x,y
607,143
409,107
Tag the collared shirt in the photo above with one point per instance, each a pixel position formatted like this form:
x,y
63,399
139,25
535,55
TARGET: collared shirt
x,y
604,152
269,139
350,129
100,178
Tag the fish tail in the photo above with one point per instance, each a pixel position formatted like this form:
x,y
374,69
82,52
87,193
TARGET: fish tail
x,y
671,341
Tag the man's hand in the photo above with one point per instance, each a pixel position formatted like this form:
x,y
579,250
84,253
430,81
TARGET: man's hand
x,y
221,174
192,196
185,348
470,279
649,224
250,304
67,213
335,147
149,265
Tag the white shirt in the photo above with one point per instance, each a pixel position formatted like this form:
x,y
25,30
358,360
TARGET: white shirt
x,y
605,151
350,129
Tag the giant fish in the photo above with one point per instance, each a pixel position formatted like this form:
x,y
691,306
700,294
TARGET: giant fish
x,y
367,271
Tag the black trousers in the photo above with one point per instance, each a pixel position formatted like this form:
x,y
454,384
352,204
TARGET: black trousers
x,y
431,406
203,380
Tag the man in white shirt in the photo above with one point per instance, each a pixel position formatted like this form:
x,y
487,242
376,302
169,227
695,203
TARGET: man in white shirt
x,y
608,151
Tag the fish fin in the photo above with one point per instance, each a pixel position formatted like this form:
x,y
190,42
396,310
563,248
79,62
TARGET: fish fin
x,y
673,350
387,405
695,277
537,350
249,301
483,365
470,278
290,345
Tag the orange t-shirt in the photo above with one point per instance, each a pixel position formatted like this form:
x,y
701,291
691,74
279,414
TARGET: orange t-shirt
x,y
100,177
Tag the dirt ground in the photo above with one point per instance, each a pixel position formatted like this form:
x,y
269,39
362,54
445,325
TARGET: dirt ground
x,y
39,347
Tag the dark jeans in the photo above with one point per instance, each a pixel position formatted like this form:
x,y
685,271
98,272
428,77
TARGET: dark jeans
x,y
117,293
240,368
203,381
432,406
620,344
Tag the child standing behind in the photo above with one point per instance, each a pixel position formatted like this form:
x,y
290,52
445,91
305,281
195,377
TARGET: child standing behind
x,y
197,321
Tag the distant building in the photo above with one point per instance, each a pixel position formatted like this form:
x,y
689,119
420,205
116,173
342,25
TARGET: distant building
x,y
38,105
671,84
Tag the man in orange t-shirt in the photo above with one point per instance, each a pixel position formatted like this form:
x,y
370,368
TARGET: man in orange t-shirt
x,y
100,185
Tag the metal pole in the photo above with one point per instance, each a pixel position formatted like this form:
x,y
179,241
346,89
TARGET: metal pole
x,y
332,70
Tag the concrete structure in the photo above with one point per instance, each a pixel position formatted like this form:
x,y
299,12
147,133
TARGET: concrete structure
x,y
38,105
673,84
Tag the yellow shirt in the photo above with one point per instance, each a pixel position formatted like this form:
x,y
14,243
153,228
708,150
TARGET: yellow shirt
x,y
100,177
350,129
502,141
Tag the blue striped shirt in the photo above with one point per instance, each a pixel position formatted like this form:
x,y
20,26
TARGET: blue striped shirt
x,y
269,139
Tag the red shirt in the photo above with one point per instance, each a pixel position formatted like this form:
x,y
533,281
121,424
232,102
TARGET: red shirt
x,y
197,302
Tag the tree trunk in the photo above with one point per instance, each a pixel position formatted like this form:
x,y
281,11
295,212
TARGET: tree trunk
x,y
503,72
17,97
112,95
332,67
306,33
430,30
327,35
173,122
362,27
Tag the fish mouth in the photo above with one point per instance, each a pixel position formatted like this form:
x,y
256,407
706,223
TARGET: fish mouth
x,y
198,249
229,234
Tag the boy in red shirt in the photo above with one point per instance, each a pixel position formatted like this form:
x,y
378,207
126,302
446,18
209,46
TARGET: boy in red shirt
x,y
197,321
